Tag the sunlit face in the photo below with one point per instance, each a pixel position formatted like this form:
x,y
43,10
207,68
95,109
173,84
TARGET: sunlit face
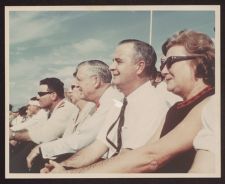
x,y
45,100
123,68
32,109
76,94
86,83
180,77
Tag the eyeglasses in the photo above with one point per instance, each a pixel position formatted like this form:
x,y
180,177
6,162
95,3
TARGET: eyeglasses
x,y
168,62
74,86
44,93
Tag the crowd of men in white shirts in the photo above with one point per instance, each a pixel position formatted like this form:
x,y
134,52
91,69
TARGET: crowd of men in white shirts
x,y
119,118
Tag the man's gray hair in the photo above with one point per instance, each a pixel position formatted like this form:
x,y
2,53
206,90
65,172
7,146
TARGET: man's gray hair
x,y
96,67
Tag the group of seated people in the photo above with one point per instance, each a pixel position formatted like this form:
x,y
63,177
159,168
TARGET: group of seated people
x,y
127,117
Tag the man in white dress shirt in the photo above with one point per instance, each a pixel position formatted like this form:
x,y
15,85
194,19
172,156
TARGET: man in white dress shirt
x,y
63,147
37,115
133,72
51,97
60,112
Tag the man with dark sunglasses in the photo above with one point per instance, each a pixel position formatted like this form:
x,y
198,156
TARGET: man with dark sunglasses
x,y
60,112
92,83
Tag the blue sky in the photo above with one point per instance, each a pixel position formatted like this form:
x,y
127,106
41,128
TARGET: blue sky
x,y
51,43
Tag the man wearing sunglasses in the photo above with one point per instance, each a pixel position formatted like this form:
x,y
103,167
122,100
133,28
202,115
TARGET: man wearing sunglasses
x,y
60,113
92,83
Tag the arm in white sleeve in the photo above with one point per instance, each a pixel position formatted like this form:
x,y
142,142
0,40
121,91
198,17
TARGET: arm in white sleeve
x,y
53,127
39,117
83,135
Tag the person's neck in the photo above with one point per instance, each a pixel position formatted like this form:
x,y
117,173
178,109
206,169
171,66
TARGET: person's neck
x,y
54,104
99,92
81,104
194,91
132,87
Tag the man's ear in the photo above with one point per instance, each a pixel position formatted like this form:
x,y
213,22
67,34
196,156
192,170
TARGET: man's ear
x,y
96,81
53,96
140,67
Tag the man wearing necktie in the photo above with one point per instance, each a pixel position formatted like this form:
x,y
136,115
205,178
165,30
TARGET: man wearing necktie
x,y
92,84
133,73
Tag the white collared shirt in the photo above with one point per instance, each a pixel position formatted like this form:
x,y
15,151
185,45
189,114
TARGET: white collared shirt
x,y
143,115
86,131
36,118
55,126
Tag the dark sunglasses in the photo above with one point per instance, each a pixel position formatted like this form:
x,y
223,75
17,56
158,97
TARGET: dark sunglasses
x,y
44,93
74,86
168,62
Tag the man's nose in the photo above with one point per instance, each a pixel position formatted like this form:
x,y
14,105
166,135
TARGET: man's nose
x,y
112,66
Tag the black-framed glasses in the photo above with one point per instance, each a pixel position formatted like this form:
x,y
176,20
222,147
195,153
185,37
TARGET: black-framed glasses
x,y
44,93
168,62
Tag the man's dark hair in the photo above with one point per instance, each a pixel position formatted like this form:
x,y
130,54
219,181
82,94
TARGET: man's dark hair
x,y
145,52
55,85
10,107
22,111
34,98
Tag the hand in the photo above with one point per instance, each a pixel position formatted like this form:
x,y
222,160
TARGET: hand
x,y
10,134
57,168
13,142
47,169
153,165
52,167
34,152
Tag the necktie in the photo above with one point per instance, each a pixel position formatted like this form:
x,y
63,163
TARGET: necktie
x,y
49,114
120,121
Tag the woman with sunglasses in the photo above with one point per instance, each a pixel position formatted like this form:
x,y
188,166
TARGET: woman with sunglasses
x,y
188,70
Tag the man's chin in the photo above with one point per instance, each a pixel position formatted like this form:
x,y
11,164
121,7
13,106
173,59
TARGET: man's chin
x,y
169,88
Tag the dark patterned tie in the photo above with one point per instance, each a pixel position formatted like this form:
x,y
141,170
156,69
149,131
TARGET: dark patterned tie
x,y
120,121
49,114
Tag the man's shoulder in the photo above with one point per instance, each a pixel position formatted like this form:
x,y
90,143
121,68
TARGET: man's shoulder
x,y
65,106
113,93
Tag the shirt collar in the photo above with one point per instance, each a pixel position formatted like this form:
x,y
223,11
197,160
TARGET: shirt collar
x,y
139,91
112,92
58,104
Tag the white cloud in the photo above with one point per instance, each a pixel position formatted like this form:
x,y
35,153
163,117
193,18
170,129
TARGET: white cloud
x,y
28,26
65,74
89,45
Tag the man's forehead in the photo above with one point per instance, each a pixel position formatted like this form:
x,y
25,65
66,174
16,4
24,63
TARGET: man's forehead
x,y
124,49
43,87
82,71
75,81
125,45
